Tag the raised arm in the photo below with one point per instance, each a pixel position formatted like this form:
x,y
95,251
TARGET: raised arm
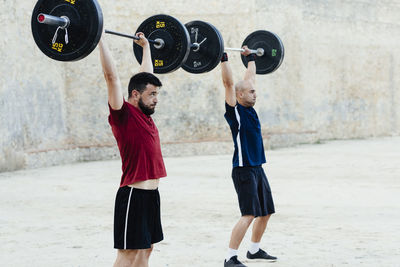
x,y
115,97
250,74
147,65
227,79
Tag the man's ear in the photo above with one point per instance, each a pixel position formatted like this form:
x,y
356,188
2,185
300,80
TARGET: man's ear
x,y
135,95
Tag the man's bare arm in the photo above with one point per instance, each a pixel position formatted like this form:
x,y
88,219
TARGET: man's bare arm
x,y
146,65
227,79
115,97
250,74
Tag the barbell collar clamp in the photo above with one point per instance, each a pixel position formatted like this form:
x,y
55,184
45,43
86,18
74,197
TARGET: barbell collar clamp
x,y
260,52
159,43
195,47
62,22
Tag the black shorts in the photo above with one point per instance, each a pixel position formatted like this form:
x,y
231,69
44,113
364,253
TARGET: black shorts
x,y
137,220
253,190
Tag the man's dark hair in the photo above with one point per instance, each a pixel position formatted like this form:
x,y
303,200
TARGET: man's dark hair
x,y
139,82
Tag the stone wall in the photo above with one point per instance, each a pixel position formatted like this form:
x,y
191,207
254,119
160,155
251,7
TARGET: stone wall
x,y
338,80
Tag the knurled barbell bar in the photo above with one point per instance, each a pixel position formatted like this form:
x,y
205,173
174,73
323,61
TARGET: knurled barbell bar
x,y
259,51
158,43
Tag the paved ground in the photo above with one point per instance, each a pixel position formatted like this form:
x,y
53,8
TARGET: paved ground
x,y
337,205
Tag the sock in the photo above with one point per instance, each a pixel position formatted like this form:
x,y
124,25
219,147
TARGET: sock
x,y
231,253
254,247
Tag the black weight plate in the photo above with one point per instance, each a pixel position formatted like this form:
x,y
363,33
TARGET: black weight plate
x,y
273,51
84,31
208,56
176,39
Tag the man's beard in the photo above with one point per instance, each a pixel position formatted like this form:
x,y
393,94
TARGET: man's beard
x,y
146,109
249,104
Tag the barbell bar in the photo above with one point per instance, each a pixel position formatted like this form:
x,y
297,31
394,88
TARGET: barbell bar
x,y
158,43
259,51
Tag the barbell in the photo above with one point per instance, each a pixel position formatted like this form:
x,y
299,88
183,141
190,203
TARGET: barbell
x,y
197,46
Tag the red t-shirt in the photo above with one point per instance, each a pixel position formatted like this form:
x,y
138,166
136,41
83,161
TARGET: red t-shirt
x,y
139,144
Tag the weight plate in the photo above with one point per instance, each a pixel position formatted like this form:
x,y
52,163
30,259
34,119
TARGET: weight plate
x,y
176,39
84,31
273,51
209,54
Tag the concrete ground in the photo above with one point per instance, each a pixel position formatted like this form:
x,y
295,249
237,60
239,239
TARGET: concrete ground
x,y
338,204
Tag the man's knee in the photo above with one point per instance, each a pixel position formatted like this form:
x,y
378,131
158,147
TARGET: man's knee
x,y
148,251
126,257
144,254
247,219
266,217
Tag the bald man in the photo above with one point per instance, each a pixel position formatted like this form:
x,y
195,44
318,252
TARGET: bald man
x,y
251,184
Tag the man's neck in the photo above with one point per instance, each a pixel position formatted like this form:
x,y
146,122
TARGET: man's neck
x,y
241,103
134,103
